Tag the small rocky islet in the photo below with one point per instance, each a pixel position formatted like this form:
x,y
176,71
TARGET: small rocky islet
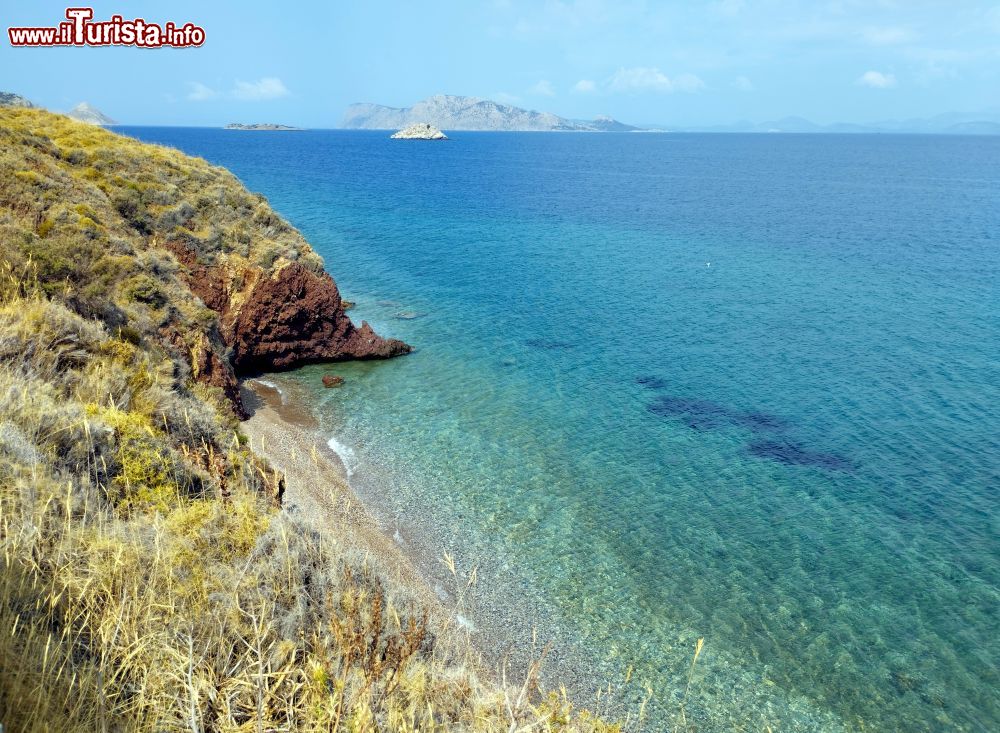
x,y
420,131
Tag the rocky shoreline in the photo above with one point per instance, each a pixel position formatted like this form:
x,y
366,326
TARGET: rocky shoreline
x,y
274,321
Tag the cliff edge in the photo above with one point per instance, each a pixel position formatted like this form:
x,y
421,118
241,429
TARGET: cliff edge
x,y
166,247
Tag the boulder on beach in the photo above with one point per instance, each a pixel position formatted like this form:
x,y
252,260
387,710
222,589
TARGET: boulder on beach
x,y
420,131
330,380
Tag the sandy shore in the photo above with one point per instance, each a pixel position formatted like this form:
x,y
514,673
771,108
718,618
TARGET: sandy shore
x,y
316,488
505,623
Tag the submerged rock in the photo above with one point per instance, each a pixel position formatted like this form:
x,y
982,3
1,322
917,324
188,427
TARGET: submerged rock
x,y
331,380
421,131
794,454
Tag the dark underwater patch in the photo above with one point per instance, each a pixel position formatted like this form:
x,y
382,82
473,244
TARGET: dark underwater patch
x,y
794,454
761,421
701,423
701,414
670,406
651,382
705,415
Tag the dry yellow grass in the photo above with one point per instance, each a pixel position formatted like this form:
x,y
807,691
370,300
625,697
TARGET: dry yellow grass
x,y
147,580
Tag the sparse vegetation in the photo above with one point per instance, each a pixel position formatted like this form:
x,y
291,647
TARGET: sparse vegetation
x,y
147,580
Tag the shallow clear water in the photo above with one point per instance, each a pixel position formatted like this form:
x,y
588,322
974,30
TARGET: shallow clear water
x,y
745,388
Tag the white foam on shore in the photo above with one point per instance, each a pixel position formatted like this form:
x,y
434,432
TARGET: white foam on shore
x,y
346,455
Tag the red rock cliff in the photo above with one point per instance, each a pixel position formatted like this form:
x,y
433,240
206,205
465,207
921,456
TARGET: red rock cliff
x,y
274,321
296,317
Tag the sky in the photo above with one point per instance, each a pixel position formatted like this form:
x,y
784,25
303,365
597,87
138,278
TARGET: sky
x,y
665,63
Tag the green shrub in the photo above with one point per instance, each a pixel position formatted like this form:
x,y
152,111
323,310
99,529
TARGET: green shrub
x,y
144,289
45,227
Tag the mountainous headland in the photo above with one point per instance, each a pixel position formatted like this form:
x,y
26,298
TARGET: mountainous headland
x,y
260,126
148,574
447,112
91,115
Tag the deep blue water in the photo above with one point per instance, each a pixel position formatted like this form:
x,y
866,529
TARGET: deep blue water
x,y
738,387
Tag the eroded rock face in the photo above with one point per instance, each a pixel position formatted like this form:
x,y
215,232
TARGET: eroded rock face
x,y
208,364
275,321
296,317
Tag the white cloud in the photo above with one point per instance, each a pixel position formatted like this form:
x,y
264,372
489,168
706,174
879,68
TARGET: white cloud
x,y
543,88
887,36
651,79
200,93
585,86
268,87
743,84
877,80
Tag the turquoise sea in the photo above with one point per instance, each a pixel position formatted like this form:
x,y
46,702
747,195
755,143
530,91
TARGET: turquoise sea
x,y
738,387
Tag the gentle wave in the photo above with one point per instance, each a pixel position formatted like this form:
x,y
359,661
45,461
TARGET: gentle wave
x,y
346,455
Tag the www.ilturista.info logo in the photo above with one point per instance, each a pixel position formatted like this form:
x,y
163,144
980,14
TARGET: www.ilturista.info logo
x,y
80,30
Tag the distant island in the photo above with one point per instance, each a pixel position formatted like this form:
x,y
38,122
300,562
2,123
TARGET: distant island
x,y
448,112
421,131
260,126
91,115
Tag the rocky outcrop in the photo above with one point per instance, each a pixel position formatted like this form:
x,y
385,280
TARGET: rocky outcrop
x,y
9,99
280,320
296,317
209,365
420,131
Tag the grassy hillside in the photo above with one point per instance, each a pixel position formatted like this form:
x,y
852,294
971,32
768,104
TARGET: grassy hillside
x,y
147,580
